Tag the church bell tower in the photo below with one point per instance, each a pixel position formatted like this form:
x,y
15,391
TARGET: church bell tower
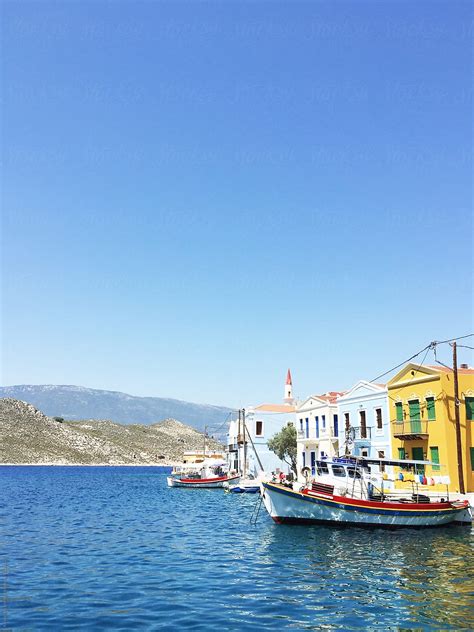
x,y
288,399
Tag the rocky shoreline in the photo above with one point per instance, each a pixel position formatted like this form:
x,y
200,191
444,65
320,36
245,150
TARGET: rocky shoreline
x,y
28,437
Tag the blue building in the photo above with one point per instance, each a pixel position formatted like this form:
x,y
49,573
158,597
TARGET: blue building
x,y
364,420
262,422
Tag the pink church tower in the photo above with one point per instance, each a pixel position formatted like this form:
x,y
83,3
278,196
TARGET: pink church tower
x,y
288,399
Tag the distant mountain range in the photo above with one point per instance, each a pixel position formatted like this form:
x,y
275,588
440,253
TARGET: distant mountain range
x,y
77,402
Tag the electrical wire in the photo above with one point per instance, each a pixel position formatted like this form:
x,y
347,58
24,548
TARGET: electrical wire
x,y
440,342
402,363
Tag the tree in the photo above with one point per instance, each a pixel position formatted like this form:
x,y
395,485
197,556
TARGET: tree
x,y
283,444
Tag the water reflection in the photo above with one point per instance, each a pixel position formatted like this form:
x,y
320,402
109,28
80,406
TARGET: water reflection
x,y
421,579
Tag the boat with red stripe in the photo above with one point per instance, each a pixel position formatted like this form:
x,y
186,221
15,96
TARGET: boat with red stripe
x,y
208,473
359,502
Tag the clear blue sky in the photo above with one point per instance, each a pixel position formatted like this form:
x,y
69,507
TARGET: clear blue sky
x,y
197,196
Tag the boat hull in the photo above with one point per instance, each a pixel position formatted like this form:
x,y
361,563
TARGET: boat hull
x,y
201,483
287,505
244,489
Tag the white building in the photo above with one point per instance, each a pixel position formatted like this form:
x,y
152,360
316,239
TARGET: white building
x,y
262,422
318,430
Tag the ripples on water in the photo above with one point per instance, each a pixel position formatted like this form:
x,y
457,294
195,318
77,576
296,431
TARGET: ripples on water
x,y
115,548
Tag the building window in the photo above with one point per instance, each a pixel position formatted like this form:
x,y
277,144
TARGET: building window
x,y
381,454
363,424
259,428
317,427
323,421
304,459
470,408
472,459
378,418
401,453
301,425
430,408
434,453
399,411
364,453
307,427
336,426
347,420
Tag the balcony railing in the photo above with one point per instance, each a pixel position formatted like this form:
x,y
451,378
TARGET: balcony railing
x,y
361,433
410,429
324,433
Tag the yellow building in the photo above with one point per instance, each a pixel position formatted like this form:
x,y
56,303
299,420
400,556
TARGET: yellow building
x,y
422,423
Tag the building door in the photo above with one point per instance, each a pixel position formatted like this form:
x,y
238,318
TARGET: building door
x,y
336,426
417,454
313,463
415,416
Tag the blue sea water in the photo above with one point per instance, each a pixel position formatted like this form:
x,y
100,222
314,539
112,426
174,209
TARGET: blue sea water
x,y
113,548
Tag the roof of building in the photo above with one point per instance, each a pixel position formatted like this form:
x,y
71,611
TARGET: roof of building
x,y
331,396
288,378
445,369
275,408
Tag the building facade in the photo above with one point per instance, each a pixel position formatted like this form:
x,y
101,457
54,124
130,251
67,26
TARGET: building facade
x,y
318,430
364,419
248,452
422,422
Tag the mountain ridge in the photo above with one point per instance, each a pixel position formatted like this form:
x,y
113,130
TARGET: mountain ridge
x,y
74,402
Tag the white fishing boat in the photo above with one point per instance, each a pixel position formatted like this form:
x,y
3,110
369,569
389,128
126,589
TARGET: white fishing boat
x,y
207,474
346,492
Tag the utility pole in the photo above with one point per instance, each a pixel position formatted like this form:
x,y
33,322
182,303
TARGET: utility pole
x,y
457,421
245,443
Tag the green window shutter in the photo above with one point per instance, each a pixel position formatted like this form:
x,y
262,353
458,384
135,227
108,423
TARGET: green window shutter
x,y
430,407
401,453
435,459
470,408
414,408
399,411
472,459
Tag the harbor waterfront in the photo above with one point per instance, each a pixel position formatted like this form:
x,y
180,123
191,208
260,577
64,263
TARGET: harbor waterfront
x,y
114,547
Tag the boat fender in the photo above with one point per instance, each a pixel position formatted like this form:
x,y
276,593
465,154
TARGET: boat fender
x,y
305,471
342,491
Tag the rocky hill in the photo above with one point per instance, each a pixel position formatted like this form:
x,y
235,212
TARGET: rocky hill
x,y
77,402
29,436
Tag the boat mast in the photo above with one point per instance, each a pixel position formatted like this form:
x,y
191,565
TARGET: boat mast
x,y
245,443
204,449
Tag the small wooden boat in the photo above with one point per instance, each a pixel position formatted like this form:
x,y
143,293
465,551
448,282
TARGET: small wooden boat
x,y
357,502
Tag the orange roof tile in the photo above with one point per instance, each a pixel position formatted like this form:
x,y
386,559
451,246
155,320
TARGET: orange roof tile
x,y
275,408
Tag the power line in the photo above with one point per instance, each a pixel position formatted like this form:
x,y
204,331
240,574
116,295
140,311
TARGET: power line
x,y
432,345
402,363
440,342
